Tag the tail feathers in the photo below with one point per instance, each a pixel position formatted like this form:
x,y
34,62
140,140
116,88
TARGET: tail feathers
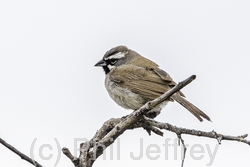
x,y
190,107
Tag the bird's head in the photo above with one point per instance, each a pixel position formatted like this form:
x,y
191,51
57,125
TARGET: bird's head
x,y
114,57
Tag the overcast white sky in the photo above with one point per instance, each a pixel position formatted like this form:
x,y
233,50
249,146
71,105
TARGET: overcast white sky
x,y
50,90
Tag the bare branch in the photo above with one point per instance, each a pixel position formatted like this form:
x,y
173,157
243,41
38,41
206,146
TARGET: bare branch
x,y
151,104
66,152
184,149
23,156
113,128
212,134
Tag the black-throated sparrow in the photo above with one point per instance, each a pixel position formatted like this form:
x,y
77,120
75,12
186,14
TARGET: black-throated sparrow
x,y
132,80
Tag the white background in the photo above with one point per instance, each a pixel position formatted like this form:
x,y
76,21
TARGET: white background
x,y
50,89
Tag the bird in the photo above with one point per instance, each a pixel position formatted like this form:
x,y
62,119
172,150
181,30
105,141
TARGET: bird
x,y
132,80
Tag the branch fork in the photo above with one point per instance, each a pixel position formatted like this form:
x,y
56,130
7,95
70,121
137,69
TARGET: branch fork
x,y
113,128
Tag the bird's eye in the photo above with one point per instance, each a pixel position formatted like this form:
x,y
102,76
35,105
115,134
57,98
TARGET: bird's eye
x,y
113,61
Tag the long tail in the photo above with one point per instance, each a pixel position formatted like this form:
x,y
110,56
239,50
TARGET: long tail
x,y
190,107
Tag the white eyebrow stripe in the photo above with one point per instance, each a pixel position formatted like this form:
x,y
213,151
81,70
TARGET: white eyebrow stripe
x,y
116,56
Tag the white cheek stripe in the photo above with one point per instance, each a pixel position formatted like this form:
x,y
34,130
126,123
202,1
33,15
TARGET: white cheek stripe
x,y
110,67
116,56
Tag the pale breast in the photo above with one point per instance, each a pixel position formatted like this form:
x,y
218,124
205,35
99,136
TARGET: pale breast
x,y
129,100
123,97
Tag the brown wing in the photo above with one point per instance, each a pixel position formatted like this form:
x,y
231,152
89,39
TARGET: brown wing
x,y
165,76
141,81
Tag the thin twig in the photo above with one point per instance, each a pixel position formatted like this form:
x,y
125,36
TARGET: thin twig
x,y
184,149
193,132
22,155
74,159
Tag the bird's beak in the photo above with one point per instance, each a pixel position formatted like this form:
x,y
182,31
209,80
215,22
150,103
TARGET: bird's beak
x,y
100,63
